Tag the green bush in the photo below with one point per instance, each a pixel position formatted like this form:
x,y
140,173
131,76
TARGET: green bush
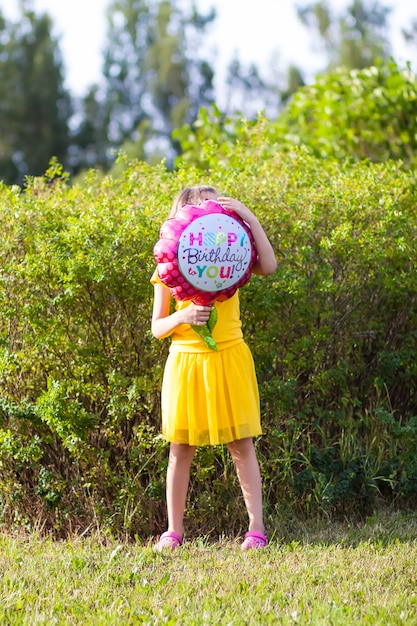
x,y
362,114
332,333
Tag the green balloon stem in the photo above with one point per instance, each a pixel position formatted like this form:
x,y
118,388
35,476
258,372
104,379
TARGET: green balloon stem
x,y
205,332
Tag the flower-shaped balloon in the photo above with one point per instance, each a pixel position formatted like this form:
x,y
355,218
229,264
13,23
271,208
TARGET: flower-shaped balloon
x,y
204,254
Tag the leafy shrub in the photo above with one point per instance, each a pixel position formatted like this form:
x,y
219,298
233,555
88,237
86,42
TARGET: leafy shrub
x,y
362,114
367,114
332,332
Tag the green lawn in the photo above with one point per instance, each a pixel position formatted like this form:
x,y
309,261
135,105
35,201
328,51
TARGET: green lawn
x,y
326,574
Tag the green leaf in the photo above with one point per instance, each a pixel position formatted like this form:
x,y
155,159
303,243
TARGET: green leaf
x,y
210,342
212,320
205,331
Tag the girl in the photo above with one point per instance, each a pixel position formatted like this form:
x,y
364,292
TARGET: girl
x,y
210,397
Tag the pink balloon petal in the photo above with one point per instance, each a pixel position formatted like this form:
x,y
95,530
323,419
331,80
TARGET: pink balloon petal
x,y
166,255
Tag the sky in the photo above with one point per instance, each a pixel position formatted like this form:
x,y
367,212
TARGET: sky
x,y
258,31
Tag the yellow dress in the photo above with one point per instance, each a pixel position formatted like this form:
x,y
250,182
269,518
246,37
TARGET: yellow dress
x,y
210,396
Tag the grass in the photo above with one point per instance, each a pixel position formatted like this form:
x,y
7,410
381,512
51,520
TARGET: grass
x,y
325,574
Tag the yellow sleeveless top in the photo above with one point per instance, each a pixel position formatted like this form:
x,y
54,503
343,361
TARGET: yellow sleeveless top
x,y
226,333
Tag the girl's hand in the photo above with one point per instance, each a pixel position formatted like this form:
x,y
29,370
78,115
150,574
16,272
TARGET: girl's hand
x,y
231,204
266,262
195,314
164,323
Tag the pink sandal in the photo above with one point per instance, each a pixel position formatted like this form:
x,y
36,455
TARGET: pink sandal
x,y
253,540
169,540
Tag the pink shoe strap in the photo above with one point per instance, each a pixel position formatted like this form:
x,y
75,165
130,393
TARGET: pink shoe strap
x,y
253,534
171,534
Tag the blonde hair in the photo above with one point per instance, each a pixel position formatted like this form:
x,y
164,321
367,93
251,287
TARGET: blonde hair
x,y
190,195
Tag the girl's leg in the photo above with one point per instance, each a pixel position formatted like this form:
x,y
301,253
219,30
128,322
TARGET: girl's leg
x,y
178,476
247,467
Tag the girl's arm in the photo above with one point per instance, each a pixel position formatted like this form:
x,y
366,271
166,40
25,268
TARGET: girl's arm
x,y
266,263
164,323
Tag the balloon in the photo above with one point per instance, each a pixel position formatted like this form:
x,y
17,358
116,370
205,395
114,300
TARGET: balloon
x,y
204,253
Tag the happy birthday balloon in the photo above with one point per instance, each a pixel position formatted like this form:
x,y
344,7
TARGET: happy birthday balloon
x,y
205,253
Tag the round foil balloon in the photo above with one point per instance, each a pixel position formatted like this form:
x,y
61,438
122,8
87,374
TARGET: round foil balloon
x,y
205,253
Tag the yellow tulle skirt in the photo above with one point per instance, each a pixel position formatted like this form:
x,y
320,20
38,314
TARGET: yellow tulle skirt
x,y
210,398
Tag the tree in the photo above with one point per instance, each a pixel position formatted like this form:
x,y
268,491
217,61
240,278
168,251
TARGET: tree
x,y
154,78
89,145
356,39
35,107
410,33
366,114
248,92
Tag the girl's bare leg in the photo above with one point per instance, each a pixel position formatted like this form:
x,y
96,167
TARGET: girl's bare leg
x,y
178,477
247,468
